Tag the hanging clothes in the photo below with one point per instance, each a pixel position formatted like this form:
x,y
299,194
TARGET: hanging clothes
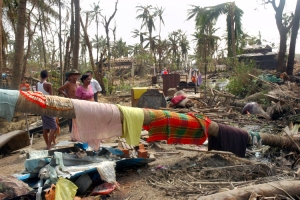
x,y
133,119
177,128
95,122
199,80
229,139
190,75
8,101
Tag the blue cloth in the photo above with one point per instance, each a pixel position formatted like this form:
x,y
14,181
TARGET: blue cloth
x,y
199,81
8,100
4,75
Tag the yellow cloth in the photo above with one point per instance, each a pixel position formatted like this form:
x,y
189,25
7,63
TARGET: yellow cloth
x,y
139,91
133,119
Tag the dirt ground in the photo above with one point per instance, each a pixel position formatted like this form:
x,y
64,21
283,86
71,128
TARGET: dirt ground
x,y
133,183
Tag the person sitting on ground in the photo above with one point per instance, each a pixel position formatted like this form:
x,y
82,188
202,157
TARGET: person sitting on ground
x,y
95,85
85,91
24,86
49,123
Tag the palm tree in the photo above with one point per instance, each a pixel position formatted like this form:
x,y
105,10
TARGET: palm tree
x,y
148,17
19,45
184,46
141,35
161,49
208,15
19,30
95,12
159,12
77,34
174,39
121,48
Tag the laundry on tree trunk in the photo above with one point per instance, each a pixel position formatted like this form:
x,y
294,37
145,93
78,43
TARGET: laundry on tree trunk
x,y
8,100
177,128
230,139
133,119
63,105
35,97
95,122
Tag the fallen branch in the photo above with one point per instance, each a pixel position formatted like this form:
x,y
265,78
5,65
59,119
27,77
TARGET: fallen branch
x,y
286,187
219,152
205,151
278,141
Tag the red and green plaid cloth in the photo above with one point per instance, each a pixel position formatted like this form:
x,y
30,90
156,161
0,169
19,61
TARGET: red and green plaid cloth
x,y
177,128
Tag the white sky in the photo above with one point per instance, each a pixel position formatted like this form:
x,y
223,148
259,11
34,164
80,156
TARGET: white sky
x,y
256,17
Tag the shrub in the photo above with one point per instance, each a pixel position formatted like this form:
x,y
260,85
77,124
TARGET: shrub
x,y
241,84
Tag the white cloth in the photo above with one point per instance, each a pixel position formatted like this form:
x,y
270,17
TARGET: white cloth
x,y
96,86
95,122
40,87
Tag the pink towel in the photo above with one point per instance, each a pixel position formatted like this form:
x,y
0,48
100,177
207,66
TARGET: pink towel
x,y
95,122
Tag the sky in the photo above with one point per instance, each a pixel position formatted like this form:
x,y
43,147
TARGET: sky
x,y
257,18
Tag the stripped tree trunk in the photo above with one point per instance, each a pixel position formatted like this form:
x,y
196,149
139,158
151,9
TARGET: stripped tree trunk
x,y
1,62
19,46
272,189
77,35
90,50
267,139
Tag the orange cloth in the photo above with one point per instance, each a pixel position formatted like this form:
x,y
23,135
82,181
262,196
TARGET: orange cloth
x,y
50,194
193,79
25,87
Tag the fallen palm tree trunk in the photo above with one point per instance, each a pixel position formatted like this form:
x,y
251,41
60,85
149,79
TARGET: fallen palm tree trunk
x,y
272,189
63,107
277,141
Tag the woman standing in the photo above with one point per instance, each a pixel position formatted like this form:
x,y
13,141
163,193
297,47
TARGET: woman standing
x,y
85,92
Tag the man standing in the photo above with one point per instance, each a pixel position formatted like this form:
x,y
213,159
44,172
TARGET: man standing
x,y
49,123
95,85
69,89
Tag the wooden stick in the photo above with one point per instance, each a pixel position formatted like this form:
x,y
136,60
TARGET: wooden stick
x,y
219,152
218,183
166,153
205,151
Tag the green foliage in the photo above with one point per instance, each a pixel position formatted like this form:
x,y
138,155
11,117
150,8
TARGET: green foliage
x,y
123,87
241,84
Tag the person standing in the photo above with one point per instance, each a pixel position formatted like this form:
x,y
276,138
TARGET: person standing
x,y
85,91
69,89
49,123
24,86
95,85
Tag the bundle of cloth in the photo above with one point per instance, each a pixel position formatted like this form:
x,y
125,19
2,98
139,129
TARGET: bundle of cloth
x,y
180,99
177,128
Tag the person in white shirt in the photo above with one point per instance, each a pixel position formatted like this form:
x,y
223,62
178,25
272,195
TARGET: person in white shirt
x,y
95,85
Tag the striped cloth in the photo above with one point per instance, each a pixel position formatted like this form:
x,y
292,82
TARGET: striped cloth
x,y
177,128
